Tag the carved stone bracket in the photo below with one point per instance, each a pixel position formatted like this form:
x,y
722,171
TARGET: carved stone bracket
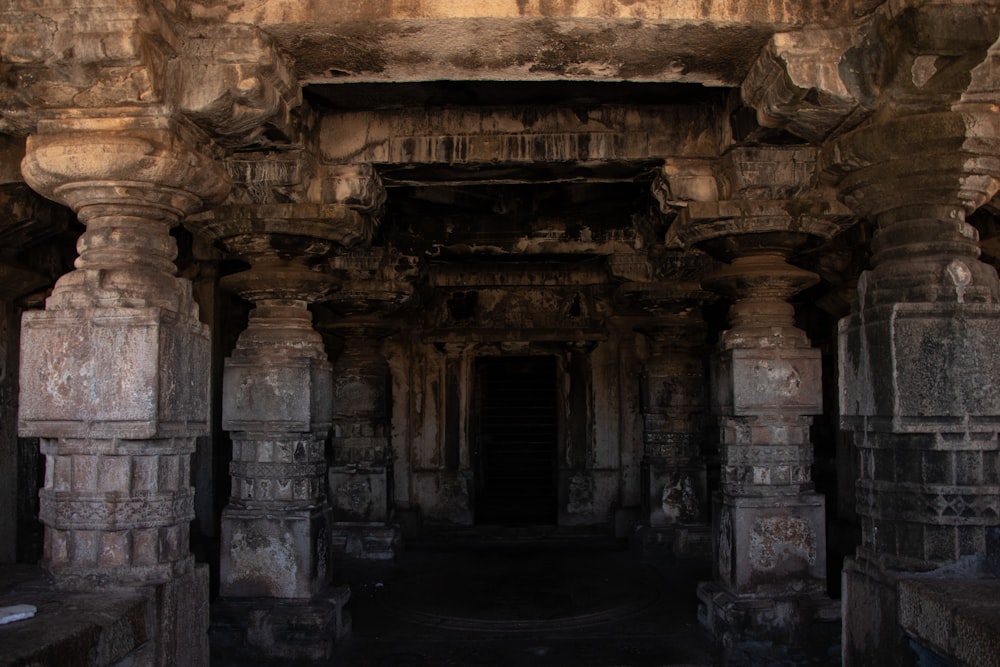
x,y
796,83
234,83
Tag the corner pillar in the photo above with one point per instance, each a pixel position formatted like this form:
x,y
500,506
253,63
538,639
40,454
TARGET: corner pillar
x,y
113,372
918,361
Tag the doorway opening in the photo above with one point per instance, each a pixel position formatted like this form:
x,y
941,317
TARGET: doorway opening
x,y
516,440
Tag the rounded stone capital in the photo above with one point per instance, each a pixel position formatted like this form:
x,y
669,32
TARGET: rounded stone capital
x,y
945,163
139,168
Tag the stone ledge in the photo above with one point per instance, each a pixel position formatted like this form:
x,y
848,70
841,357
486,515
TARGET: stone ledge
x,y
959,619
72,628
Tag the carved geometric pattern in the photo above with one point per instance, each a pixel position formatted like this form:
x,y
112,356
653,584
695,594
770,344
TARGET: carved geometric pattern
x,y
79,512
929,504
276,470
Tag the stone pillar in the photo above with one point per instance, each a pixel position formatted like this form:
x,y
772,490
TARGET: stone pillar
x,y
361,466
674,389
770,525
360,474
919,356
277,396
114,371
674,392
766,382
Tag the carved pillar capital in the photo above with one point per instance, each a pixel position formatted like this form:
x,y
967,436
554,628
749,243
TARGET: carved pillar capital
x,y
769,208
129,181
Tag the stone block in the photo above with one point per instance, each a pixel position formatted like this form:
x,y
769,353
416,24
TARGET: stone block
x,y
271,554
923,366
772,544
360,493
748,382
872,632
134,373
293,395
673,495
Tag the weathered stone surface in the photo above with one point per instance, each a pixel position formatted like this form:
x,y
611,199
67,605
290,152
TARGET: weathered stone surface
x,y
796,83
122,372
954,618
546,135
268,555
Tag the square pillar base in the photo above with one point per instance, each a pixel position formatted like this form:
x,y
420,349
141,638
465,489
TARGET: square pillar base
x,y
273,554
786,620
774,545
282,631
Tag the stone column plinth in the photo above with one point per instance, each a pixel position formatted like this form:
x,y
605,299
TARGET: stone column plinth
x,y
766,382
919,355
277,396
360,475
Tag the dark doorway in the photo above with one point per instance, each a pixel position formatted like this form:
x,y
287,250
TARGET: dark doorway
x,y
515,442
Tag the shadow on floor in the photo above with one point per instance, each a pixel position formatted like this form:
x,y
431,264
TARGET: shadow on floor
x,y
530,604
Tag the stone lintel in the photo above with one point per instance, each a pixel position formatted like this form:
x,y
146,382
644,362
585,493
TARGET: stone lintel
x,y
749,382
683,41
133,373
513,136
462,335
926,367
535,274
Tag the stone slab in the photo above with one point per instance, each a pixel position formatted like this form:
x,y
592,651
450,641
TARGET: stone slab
x,y
956,618
109,625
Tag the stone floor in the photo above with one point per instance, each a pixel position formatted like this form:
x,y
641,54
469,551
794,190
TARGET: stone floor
x,y
502,601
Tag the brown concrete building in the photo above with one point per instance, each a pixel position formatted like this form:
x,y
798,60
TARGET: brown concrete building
x,y
715,275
